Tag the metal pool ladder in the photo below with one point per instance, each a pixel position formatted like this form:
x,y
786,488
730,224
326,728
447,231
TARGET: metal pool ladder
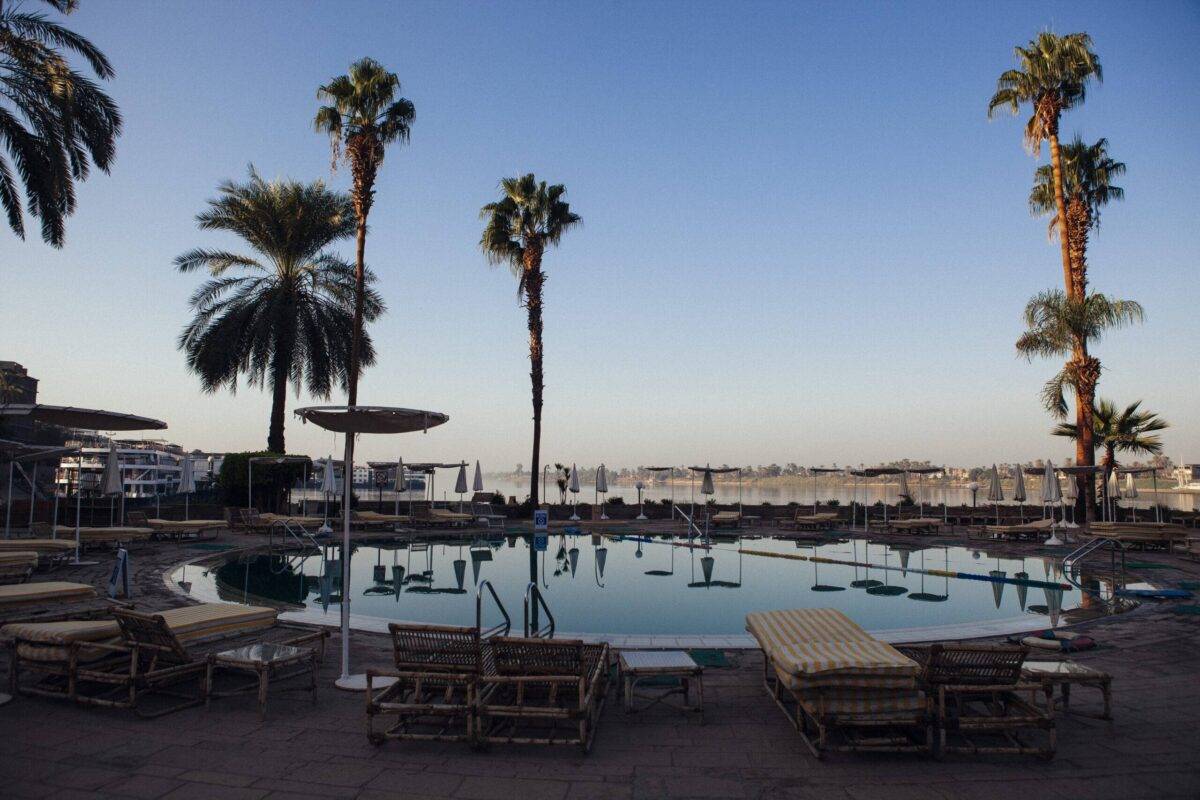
x,y
1071,562
533,600
500,629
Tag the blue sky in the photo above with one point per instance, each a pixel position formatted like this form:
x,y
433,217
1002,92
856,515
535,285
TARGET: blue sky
x,y
803,240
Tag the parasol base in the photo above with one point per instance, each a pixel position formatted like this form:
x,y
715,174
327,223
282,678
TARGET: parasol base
x,y
1053,541
641,517
5,699
77,563
358,683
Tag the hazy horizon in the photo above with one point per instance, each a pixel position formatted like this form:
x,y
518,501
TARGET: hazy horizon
x,y
803,241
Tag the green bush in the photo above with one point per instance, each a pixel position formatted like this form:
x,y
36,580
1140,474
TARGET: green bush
x,y
271,480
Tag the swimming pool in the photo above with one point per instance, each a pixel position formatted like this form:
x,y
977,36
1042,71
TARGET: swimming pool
x,y
651,585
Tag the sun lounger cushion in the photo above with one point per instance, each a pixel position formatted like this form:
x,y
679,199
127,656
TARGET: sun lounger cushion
x,y
40,545
772,628
863,701
45,592
188,623
186,525
19,558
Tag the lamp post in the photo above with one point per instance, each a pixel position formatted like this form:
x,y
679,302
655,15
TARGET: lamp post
x,y
973,486
641,510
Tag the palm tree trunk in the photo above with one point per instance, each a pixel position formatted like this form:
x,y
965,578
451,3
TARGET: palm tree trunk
x,y
533,306
359,300
364,152
1060,204
1079,221
279,384
1088,373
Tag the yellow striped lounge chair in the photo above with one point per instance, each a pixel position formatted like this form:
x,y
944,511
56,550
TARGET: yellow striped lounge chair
x,y
827,674
730,518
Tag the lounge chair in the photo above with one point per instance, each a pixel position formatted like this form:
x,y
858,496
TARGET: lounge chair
x,y
43,593
373,519
436,674
1036,530
424,513
979,691
486,513
122,663
17,566
177,528
829,675
1142,534
732,519
545,691
917,525
92,536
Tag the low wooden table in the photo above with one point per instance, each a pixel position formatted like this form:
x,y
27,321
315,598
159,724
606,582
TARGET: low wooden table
x,y
639,665
1065,674
264,660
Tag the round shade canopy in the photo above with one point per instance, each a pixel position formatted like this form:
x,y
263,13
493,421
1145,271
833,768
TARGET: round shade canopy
x,y
87,418
1080,470
658,469
823,470
716,470
370,419
46,453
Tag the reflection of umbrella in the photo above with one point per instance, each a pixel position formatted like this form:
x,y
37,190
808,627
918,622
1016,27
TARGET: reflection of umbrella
x,y
929,597
886,589
573,488
868,582
601,560
1053,605
817,585
187,483
671,571
998,585
1022,589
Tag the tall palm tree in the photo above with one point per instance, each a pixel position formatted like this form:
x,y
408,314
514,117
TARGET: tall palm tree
x,y
55,122
1128,430
1052,76
286,316
1055,325
364,117
530,217
1088,172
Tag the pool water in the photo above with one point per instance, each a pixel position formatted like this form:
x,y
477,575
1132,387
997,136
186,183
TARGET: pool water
x,y
643,585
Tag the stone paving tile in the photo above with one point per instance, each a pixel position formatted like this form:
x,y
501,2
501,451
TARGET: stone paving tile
x,y
406,782
146,787
489,788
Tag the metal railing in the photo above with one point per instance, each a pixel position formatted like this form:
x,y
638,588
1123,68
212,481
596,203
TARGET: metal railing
x,y
534,600
692,526
1071,563
500,629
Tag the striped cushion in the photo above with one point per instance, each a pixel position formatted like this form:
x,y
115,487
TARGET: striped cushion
x,y
20,558
214,619
876,703
773,628
44,592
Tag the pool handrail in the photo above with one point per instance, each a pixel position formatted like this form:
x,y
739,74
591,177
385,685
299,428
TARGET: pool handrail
x,y
534,598
502,628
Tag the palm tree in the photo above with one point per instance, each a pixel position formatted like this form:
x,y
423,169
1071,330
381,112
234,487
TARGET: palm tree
x,y
54,122
1052,76
1055,326
1088,172
287,316
528,218
365,117
1129,430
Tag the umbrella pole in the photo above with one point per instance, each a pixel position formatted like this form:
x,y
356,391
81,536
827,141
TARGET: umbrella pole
x,y
8,501
1157,510
348,471
54,514
32,493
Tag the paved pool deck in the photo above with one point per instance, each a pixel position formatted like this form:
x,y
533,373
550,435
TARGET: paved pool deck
x,y
746,750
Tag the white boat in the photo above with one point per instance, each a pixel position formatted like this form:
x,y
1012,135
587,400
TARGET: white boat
x,y
148,468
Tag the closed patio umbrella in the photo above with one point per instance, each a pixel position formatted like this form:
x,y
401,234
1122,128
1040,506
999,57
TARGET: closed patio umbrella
x,y
1019,491
328,487
573,488
1131,493
1114,494
477,484
187,483
706,484
602,487
995,493
110,483
460,485
1069,496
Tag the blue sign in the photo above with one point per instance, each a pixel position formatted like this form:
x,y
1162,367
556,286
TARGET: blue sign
x,y
541,520
540,541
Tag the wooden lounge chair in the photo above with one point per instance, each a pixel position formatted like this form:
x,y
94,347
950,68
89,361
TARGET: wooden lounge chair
x,y
17,566
425,513
979,691
544,691
153,655
176,528
433,698
823,521
830,676
917,525
373,519
43,593
731,519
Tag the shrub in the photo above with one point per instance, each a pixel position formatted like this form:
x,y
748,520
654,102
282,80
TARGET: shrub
x,y
271,481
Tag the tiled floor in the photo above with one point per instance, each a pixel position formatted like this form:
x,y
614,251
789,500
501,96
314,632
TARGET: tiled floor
x,y
747,749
